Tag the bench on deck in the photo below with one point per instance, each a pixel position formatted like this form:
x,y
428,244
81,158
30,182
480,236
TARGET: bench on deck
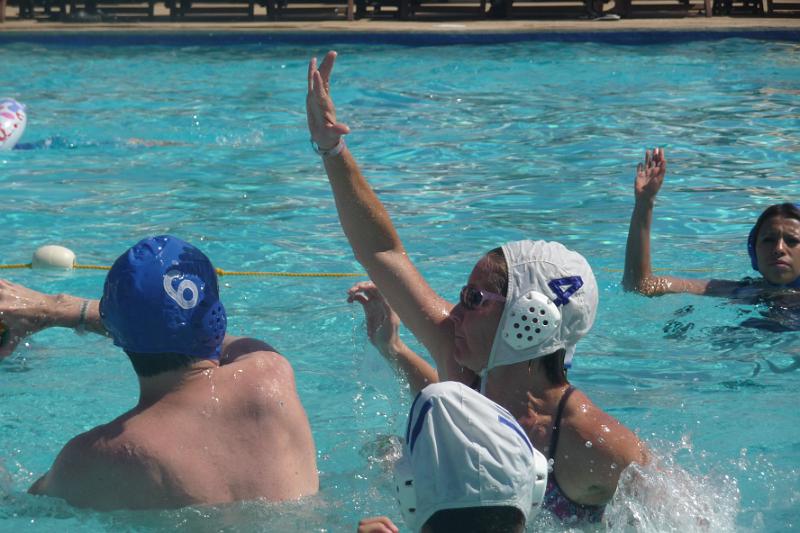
x,y
773,6
106,10
739,7
466,9
37,9
556,9
310,9
426,9
211,8
662,8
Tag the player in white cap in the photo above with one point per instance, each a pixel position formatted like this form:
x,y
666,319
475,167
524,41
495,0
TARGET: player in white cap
x,y
524,308
467,466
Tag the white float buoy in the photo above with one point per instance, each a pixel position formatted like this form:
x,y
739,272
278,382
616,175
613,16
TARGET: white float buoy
x,y
53,256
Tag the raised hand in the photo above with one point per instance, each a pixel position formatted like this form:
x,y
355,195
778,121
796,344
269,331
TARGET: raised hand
x,y
650,174
382,322
320,111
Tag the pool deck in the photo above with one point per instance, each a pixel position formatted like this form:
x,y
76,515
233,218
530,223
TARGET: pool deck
x,y
162,24
455,26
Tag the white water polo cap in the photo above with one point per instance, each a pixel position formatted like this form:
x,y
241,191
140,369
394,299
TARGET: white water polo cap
x,y
464,450
550,305
12,123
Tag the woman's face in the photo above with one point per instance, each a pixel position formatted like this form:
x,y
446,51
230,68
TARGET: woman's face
x,y
778,250
475,328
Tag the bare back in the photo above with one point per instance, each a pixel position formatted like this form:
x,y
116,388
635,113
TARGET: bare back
x,y
235,432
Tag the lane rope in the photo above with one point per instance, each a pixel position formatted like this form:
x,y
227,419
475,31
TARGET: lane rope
x,y
221,272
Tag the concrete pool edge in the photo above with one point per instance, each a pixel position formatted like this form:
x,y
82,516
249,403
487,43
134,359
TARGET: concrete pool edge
x,y
632,31
718,27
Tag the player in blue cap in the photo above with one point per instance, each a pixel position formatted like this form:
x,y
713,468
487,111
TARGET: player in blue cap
x,y
773,245
203,431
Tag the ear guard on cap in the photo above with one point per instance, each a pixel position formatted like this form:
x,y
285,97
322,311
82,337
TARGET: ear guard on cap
x,y
533,319
540,469
406,494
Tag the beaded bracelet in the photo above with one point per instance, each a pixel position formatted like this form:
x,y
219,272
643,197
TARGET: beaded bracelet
x,y
80,329
336,150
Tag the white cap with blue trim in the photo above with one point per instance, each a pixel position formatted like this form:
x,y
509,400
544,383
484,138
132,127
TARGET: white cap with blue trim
x,y
550,304
464,450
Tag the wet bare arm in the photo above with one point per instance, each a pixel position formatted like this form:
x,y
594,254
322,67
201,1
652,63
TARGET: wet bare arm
x,y
383,331
638,274
410,366
638,268
590,436
24,311
369,229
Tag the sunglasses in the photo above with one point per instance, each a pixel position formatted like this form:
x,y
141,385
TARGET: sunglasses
x,y
472,298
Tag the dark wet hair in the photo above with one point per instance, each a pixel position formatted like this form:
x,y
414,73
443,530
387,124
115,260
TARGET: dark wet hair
x,y
151,364
490,519
498,278
785,210
553,364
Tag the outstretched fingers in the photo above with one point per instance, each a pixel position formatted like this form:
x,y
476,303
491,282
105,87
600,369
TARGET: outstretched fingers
x,y
662,160
326,68
318,87
320,110
312,68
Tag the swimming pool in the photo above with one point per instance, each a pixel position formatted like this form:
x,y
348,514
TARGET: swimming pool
x,y
468,146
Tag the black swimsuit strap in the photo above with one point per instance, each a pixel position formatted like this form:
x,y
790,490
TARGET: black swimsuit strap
x,y
551,451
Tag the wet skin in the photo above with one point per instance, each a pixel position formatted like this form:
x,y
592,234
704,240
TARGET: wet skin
x,y
778,250
475,328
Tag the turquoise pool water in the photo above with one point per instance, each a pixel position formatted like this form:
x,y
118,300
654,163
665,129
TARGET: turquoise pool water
x,y
468,146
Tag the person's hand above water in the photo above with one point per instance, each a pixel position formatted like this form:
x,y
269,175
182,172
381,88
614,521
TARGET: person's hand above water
x,y
320,111
383,327
377,524
382,322
650,175
23,312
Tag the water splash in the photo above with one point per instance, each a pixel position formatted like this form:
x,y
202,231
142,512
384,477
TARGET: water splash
x,y
665,497
382,452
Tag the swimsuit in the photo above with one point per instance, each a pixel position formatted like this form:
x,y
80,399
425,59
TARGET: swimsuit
x,y
554,498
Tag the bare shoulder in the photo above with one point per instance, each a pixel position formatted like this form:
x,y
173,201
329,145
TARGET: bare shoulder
x,y
593,449
261,364
263,381
600,433
96,470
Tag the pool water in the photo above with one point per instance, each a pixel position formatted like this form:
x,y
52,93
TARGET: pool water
x,y
469,146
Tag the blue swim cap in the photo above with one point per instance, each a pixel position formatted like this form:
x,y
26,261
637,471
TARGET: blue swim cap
x,y
751,247
162,296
